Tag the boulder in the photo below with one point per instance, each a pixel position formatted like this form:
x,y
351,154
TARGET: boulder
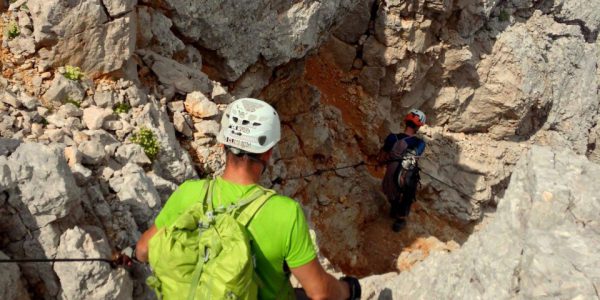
x,y
355,23
137,191
8,146
208,128
132,153
101,281
181,124
63,89
105,99
341,53
158,35
242,31
93,152
198,105
80,33
48,188
172,163
171,73
94,117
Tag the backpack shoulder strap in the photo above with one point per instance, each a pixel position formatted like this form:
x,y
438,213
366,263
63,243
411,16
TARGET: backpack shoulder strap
x,y
254,206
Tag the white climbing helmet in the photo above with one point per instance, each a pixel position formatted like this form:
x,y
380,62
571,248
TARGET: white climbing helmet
x,y
250,125
416,116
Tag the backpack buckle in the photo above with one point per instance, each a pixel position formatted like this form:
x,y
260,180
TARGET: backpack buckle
x,y
210,216
206,254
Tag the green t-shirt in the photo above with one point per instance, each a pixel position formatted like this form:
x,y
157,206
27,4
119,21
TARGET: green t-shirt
x,y
279,231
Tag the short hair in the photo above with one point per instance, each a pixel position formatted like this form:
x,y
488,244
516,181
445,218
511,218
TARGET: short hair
x,y
239,154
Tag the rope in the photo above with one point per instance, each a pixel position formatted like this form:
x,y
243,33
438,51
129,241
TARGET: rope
x,y
30,260
318,172
448,185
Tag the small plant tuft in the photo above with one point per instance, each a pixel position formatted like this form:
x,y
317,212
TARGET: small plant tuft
x,y
121,108
73,73
74,102
13,30
146,138
504,16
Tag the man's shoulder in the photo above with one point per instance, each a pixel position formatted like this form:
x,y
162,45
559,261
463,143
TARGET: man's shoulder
x,y
278,201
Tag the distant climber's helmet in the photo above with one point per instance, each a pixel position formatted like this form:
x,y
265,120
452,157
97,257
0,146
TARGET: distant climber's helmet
x,y
250,125
416,116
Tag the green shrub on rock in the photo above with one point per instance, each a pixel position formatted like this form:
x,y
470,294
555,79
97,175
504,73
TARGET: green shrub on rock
x,y
121,108
13,30
146,138
73,73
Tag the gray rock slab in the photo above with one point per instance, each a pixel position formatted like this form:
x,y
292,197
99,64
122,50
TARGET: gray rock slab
x,y
49,191
541,242
102,281
172,73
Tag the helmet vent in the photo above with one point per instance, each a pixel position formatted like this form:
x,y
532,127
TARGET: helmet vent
x,y
245,122
235,119
256,124
262,139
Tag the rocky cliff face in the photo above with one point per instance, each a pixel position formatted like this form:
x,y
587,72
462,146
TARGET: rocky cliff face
x,y
494,77
541,242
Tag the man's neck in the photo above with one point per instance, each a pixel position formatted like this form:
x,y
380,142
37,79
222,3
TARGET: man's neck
x,y
240,175
409,131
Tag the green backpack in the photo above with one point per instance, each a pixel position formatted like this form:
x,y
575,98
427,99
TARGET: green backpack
x,y
206,253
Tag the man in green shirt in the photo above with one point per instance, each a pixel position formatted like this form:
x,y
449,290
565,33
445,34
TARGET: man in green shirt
x,y
250,129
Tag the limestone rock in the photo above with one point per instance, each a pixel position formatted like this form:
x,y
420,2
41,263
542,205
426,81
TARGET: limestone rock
x,y
548,105
197,105
157,36
8,146
102,282
539,244
133,153
73,155
172,163
82,174
88,37
118,7
63,89
369,78
93,152
94,117
181,124
137,191
241,32
22,45
11,284
136,96
341,53
355,23
209,128
105,99
49,190
184,79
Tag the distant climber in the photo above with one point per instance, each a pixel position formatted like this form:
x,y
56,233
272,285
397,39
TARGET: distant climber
x,y
400,153
230,238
